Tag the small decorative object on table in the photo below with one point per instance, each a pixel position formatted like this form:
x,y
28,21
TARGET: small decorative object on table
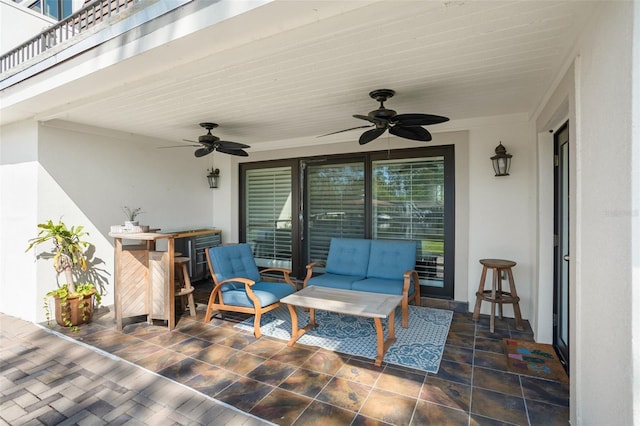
x,y
132,214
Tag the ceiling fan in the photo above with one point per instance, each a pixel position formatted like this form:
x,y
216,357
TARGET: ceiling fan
x,y
209,143
406,126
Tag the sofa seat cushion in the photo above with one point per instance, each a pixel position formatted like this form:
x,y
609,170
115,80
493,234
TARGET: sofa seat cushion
x,y
334,281
348,256
391,259
381,285
267,292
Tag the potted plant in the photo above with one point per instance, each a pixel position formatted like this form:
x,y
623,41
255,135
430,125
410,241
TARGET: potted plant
x,y
131,214
74,303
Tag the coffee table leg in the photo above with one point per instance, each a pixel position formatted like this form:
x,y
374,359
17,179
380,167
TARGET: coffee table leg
x,y
382,344
312,317
296,332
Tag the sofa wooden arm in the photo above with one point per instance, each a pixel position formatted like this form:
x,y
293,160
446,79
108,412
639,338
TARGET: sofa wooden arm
x,y
408,275
310,267
416,284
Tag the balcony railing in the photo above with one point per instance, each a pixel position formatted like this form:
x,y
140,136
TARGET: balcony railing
x,y
84,19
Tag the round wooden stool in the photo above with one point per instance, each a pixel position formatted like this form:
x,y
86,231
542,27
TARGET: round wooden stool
x,y
496,296
183,284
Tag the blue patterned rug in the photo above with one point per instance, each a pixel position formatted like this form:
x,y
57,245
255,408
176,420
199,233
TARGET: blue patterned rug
x,y
420,346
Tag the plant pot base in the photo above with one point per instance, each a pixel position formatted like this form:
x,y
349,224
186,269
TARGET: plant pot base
x,y
77,310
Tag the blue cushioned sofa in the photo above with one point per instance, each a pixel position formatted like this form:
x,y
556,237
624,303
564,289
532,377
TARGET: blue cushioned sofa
x,y
377,266
239,287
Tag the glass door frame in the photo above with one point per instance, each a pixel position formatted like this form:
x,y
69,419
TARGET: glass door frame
x,y
562,250
298,264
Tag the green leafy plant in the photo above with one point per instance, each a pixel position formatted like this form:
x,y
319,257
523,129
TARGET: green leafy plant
x,y
68,254
132,213
82,291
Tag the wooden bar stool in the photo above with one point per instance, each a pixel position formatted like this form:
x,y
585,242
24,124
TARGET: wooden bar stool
x,y
183,284
496,295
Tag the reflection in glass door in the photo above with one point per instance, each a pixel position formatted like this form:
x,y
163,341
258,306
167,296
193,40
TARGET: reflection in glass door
x,y
561,249
334,205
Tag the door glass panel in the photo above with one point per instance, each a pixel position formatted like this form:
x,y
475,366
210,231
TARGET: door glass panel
x,y
564,307
268,215
562,248
408,204
335,205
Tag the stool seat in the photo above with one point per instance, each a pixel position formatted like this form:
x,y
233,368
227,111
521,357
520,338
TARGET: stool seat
x,y
498,263
496,295
183,283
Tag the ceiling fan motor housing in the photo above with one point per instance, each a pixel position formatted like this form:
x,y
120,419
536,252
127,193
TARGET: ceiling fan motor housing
x,y
382,95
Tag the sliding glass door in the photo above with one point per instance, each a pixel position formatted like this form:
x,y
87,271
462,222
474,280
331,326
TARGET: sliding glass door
x,y
290,209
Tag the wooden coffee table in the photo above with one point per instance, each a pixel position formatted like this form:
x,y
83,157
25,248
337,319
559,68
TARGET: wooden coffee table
x,y
358,303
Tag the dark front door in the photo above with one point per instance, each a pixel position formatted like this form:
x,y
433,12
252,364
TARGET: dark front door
x,y
562,251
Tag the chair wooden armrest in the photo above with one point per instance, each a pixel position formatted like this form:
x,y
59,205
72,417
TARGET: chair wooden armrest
x,y
285,272
216,293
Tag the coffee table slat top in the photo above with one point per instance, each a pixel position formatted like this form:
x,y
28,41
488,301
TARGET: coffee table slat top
x,y
361,303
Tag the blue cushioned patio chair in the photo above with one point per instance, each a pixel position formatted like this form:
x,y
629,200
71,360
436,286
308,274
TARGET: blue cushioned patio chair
x,y
239,287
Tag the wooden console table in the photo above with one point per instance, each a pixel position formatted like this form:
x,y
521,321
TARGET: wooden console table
x,y
144,277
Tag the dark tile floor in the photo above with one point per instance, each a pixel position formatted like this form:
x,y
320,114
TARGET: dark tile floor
x,y
304,385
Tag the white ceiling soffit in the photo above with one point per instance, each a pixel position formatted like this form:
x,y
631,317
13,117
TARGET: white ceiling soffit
x,y
298,69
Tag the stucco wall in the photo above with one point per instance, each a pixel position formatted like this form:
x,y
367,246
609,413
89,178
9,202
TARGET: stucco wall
x,y
19,295
85,176
602,354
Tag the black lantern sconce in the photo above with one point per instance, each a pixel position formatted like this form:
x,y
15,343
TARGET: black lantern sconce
x,y
212,177
501,161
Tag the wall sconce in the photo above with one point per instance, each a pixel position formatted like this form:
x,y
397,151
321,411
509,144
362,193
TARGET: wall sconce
x,y
501,161
212,177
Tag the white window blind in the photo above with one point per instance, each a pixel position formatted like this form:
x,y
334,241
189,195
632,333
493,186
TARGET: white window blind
x,y
268,215
335,205
408,204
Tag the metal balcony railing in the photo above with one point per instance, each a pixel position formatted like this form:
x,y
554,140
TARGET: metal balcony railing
x,y
84,19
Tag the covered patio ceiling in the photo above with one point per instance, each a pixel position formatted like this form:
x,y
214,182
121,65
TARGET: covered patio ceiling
x,y
293,70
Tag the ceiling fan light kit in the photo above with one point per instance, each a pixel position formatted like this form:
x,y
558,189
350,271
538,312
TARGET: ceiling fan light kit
x,y
407,126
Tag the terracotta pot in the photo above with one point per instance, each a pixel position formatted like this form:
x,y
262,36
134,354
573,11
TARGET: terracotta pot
x,y
78,310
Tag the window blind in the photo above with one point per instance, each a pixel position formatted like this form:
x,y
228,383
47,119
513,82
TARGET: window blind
x,y
408,204
268,215
335,205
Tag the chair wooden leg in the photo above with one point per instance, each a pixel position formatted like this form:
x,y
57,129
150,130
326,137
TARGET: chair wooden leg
x,y
209,312
256,325
405,312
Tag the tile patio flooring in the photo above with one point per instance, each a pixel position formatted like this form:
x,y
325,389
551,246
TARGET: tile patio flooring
x,y
308,386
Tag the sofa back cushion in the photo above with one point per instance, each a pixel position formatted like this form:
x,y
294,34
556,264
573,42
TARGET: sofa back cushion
x,y
234,261
348,256
391,259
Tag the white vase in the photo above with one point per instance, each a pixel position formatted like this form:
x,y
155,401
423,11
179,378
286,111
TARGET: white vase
x,y
129,224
